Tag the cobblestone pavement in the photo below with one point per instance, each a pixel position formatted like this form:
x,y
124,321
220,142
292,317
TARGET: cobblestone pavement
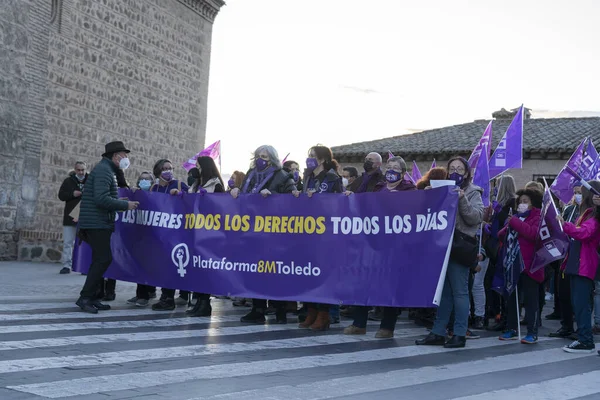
x,y
49,349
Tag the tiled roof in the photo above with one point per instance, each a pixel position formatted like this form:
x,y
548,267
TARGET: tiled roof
x,y
555,135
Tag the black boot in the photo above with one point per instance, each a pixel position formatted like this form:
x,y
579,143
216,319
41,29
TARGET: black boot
x,y
202,308
100,306
109,296
280,317
561,333
86,305
431,340
456,342
256,316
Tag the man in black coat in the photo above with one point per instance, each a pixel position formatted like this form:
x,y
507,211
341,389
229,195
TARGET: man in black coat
x,y
99,205
70,192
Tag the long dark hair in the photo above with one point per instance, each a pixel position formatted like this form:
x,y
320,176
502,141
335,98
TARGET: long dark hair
x,y
468,174
157,169
587,199
287,166
208,170
324,153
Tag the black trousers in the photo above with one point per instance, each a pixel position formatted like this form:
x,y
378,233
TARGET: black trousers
x,y
531,293
99,241
110,286
170,294
566,307
143,291
261,304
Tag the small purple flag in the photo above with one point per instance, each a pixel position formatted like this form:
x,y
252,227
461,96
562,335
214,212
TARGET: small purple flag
x,y
588,166
486,138
481,177
509,153
433,164
562,186
213,151
552,243
416,174
390,155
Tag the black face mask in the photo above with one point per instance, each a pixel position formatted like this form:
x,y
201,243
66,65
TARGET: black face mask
x,y
368,166
191,180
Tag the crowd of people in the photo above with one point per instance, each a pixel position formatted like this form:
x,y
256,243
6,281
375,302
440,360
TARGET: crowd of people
x,y
486,240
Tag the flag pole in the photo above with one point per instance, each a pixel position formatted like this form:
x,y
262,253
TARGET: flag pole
x,y
519,311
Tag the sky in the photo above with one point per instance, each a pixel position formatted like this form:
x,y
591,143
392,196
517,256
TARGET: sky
x,y
296,73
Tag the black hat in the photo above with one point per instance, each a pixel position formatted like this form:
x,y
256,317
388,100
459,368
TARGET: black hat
x,y
114,147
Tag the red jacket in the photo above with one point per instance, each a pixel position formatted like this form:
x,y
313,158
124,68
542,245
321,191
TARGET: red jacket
x,y
587,231
528,232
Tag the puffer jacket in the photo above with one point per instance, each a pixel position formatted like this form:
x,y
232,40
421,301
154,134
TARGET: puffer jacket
x,y
528,231
470,211
100,201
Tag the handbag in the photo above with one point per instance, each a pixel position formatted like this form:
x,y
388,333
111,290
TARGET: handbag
x,y
464,249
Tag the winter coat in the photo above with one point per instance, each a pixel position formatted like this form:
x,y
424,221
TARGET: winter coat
x,y
586,231
66,194
470,211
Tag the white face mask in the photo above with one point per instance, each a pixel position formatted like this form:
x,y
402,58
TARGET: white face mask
x,y
578,198
124,163
345,182
522,208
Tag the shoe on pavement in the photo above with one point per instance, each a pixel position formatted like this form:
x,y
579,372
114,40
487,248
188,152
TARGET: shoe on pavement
x,y
578,347
478,323
132,300
553,317
472,335
254,317
65,270
180,301
529,339
456,342
100,306
109,297
431,340
384,334
354,330
561,333
142,303
86,305
509,335
164,305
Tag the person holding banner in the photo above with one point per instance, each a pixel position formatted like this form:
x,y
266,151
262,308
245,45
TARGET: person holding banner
x,y
372,176
163,169
321,176
293,169
99,204
455,294
266,177
525,225
236,180
581,264
208,181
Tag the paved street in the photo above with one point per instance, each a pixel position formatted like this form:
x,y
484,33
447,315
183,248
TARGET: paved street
x,y
48,349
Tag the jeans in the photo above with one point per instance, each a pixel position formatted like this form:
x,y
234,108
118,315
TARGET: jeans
x,y
99,241
390,317
581,294
69,234
334,313
566,309
531,296
597,303
455,296
478,290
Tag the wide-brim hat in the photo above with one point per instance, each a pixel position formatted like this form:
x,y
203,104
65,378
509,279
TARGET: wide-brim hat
x,y
114,147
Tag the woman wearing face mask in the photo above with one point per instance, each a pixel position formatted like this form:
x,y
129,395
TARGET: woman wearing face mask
x,y
563,286
293,169
143,293
455,295
163,169
581,264
209,181
236,180
526,224
321,177
265,177
192,176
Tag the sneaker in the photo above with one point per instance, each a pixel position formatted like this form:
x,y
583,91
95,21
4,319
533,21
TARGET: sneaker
x,y
141,303
65,270
164,305
152,295
254,317
180,301
578,347
471,335
477,324
132,300
509,335
529,339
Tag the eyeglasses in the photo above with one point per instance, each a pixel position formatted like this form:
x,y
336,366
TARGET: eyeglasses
x,y
459,170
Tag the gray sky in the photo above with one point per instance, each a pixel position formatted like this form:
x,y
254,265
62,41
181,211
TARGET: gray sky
x,y
295,73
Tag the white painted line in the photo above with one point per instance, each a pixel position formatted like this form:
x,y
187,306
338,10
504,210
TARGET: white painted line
x,y
570,387
36,306
341,387
97,384
120,357
134,312
216,305
147,336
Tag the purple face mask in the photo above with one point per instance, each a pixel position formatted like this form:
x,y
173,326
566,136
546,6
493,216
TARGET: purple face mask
x,y
231,183
311,163
167,175
296,176
392,176
261,164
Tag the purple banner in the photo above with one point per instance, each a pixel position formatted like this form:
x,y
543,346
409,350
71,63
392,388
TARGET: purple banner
x,y
481,177
552,243
563,184
509,153
486,140
387,249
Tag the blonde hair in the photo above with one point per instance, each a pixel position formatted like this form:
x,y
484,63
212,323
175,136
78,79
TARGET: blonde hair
x,y
533,185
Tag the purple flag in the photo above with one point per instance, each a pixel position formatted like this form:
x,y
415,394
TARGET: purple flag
x,y
214,151
390,155
562,186
589,165
415,174
481,177
256,247
509,153
552,243
486,139
433,164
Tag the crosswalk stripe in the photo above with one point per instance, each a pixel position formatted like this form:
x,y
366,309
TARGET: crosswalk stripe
x,y
82,315
96,384
120,357
151,336
36,306
349,386
570,387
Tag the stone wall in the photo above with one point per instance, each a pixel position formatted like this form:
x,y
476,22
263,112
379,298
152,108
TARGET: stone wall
x,y
130,70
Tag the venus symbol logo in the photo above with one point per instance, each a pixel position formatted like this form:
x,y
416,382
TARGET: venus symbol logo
x,y
181,258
